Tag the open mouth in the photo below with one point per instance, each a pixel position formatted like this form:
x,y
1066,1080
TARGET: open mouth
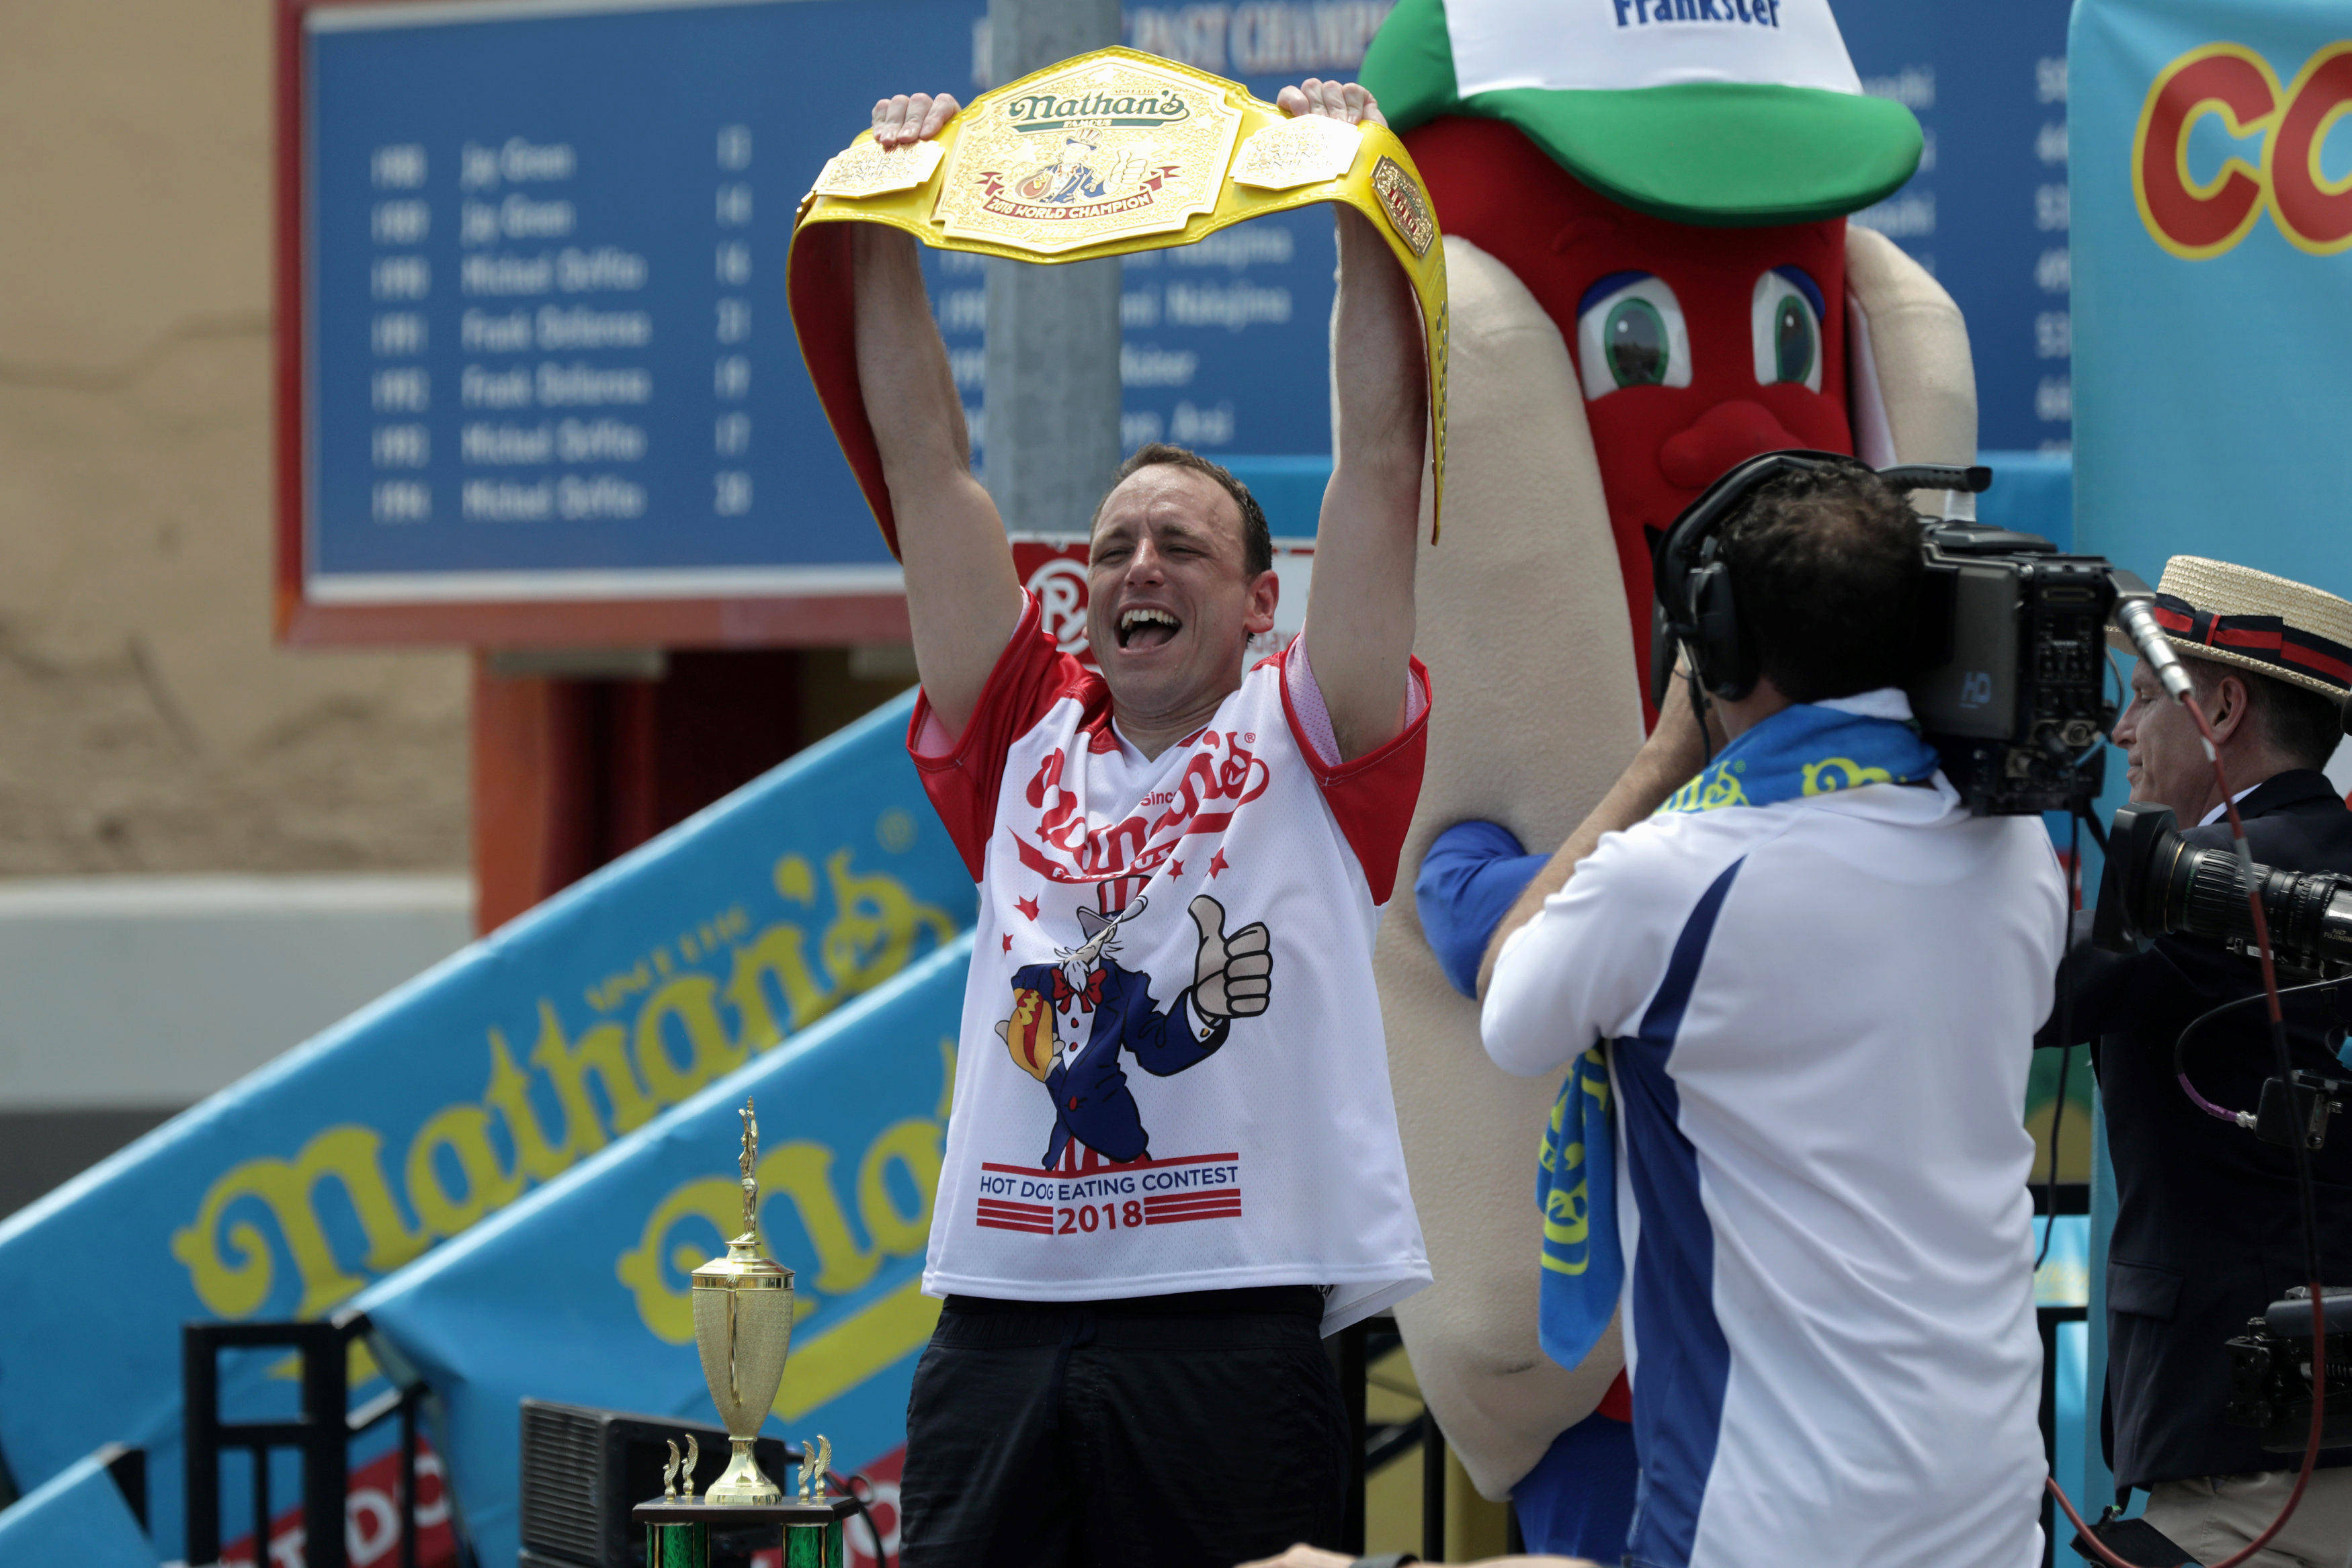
x,y
1147,628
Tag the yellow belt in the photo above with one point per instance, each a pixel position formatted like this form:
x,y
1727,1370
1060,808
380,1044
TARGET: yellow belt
x,y
1105,153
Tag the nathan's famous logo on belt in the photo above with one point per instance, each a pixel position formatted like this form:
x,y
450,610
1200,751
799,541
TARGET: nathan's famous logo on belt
x,y
2194,218
1049,111
1109,148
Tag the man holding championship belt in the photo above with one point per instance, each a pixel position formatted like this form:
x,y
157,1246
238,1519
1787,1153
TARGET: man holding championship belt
x,y
1181,862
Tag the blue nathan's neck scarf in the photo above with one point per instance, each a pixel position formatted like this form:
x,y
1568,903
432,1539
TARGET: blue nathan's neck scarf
x,y
1811,748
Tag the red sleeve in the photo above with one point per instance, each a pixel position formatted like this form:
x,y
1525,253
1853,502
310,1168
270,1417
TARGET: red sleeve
x,y
1373,795
819,292
962,774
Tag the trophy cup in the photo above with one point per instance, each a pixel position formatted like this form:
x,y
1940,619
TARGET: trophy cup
x,y
743,1328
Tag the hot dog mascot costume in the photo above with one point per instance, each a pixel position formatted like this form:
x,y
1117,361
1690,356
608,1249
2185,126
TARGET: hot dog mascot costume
x,y
1652,277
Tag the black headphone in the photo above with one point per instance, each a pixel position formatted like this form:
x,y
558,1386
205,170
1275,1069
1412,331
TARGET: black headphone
x,y
1695,607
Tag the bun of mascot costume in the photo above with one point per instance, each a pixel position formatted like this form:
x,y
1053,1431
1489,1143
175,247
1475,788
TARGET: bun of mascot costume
x,y
1652,278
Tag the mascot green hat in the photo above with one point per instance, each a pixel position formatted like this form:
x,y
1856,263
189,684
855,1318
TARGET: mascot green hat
x,y
1727,113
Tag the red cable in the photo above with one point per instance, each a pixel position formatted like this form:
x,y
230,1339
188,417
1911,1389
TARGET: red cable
x,y
2318,1305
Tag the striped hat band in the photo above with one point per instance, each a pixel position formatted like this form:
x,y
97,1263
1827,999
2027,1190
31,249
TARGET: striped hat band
x,y
2273,626
2263,642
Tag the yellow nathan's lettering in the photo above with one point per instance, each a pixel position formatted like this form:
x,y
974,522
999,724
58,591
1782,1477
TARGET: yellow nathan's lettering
x,y
616,988
795,882
692,1000
668,1310
464,1131
602,1051
913,1145
803,1171
873,932
778,953
536,1157
236,1281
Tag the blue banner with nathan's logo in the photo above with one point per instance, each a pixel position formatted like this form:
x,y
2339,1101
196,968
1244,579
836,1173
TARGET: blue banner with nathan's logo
x,y
581,1292
501,1069
2212,220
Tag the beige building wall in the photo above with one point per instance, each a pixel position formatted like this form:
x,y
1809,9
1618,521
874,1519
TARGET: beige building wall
x,y
148,722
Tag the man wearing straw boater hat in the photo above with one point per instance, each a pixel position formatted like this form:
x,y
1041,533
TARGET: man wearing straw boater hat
x,y
2207,1216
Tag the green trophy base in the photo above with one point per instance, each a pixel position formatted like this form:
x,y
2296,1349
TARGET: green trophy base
x,y
677,1533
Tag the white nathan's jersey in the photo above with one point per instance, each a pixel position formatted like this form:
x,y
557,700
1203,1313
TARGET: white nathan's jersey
x,y
1821,1015
1114,1134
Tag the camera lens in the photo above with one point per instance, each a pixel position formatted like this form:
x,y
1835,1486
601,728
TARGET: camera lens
x,y
2170,885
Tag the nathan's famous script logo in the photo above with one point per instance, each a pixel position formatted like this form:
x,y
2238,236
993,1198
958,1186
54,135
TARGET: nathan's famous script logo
x,y
1401,199
1222,775
1050,111
701,1005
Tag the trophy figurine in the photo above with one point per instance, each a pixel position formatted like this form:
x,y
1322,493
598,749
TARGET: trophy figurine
x,y
742,1326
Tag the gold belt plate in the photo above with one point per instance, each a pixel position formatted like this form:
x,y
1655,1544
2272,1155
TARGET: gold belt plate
x,y
1110,147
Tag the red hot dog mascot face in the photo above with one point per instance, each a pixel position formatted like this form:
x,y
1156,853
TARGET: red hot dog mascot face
x,y
1669,179
1651,277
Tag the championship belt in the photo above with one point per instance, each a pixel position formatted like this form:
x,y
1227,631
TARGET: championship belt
x,y
1105,153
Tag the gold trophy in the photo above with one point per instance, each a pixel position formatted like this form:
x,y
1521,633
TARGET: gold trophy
x,y
743,1326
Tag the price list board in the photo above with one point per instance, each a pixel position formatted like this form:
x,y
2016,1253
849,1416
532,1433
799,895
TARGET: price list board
x,y
545,387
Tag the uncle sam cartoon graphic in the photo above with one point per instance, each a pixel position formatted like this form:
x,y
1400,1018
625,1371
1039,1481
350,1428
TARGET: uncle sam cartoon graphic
x,y
1074,1018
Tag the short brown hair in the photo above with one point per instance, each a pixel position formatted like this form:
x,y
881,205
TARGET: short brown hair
x,y
1827,567
1257,539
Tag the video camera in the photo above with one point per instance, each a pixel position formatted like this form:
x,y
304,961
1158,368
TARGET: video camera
x,y
2011,645
2011,690
2159,884
2272,1369
2163,883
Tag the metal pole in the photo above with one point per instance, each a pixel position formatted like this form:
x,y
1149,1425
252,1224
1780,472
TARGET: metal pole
x,y
325,1453
1433,1489
200,1449
1049,436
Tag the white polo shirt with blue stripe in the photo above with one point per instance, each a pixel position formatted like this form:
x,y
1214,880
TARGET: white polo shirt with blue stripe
x,y
1821,1015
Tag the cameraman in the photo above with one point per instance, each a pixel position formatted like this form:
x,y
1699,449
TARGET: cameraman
x,y
1816,978
2208,1228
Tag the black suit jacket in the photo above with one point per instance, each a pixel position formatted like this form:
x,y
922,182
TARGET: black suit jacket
x,y
2207,1228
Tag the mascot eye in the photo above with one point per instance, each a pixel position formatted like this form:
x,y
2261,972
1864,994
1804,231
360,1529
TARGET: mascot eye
x,y
1788,329
1630,333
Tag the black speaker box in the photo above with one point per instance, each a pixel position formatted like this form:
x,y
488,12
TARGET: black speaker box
x,y
584,1468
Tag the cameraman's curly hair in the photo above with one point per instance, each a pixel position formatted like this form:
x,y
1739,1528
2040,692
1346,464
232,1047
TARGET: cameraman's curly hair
x,y
1825,566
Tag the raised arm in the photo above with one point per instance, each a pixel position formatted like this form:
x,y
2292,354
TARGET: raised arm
x,y
1674,752
1360,603
963,597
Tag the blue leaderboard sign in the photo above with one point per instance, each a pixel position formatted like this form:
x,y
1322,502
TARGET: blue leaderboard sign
x,y
548,355
545,355
1988,212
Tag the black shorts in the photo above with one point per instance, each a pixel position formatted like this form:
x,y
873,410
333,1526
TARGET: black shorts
x,y
1162,1432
